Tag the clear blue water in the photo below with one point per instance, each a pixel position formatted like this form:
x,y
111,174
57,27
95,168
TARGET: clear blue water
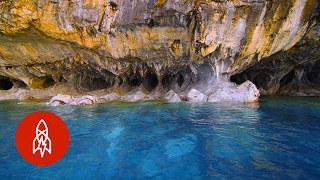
x,y
278,138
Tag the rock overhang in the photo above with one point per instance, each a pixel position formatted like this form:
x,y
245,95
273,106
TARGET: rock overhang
x,y
82,46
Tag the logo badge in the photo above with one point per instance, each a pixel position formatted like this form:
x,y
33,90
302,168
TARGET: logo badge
x,y
42,141
42,138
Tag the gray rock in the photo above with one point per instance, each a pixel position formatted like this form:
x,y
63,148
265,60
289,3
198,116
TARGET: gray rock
x,y
138,96
61,99
108,97
55,103
197,96
84,101
245,92
171,96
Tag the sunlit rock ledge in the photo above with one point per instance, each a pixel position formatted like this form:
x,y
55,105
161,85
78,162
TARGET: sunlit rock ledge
x,y
189,50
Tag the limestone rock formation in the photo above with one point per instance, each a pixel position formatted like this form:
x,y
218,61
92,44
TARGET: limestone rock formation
x,y
197,96
109,97
171,96
63,99
245,92
146,48
138,96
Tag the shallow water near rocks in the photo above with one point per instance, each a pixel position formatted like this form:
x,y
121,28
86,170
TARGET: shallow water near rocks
x,y
277,138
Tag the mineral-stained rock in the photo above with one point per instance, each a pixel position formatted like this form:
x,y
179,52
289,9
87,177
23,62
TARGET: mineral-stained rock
x,y
197,96
171,96
24,94
80,47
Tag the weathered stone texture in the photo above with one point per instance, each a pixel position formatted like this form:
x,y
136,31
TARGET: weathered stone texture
x,y
120,46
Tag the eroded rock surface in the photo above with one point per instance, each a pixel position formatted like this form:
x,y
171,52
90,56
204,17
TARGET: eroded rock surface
x,y
171,96
146,48
197,96
245,92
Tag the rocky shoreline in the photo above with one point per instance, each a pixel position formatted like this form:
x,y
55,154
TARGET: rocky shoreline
x,y
227,92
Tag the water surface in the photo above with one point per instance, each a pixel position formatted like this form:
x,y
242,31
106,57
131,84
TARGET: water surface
x,y
278,138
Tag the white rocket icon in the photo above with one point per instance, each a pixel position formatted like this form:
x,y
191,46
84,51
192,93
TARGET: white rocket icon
x,y
42,141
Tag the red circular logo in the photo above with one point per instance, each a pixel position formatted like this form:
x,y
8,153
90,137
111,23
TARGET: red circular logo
x,y
42,138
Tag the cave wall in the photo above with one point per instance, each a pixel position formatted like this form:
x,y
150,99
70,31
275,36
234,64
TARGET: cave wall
x,y
121,45
292,72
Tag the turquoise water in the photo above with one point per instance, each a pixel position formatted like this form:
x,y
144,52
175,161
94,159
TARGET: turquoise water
x,y
278,138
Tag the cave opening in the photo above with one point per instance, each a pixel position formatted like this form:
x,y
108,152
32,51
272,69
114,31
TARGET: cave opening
x,y
180,80
261,80
150,81
120,81
49,82
100,83
286,79
134,81
95,83
166,81
238,78
313,77
5,84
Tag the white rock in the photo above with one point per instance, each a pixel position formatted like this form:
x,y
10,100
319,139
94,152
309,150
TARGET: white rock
x,y
60,99
108,97
245,92
74,103
85,101
221,95
91,98
197,96
55,103
138,96
250,92
171,96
